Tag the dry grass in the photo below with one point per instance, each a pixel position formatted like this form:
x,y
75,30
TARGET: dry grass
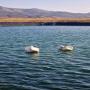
x,y
45,19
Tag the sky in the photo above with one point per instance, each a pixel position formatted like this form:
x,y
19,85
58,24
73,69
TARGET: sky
x,y
76,6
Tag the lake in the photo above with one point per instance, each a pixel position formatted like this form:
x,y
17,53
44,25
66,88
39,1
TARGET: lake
x,y
51,69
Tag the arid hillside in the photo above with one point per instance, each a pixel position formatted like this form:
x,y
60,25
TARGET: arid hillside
x,y
38,13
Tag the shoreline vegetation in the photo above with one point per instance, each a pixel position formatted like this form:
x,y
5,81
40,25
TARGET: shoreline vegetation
x,y
45,21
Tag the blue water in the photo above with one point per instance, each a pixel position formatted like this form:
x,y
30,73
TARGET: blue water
x,y
51,69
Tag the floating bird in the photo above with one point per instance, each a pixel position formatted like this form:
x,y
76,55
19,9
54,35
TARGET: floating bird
x,y
31,49
66,48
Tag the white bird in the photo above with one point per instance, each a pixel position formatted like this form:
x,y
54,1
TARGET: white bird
x,y
66,48
31,49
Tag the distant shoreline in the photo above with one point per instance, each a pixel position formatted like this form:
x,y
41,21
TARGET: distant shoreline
x,y
45,21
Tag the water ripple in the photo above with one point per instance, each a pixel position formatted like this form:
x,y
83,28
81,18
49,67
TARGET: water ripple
x,y
51,69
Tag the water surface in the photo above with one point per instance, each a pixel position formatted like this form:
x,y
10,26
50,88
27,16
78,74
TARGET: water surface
x,y
51,69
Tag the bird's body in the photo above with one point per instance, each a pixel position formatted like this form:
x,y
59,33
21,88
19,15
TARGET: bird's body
x,y
31,49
